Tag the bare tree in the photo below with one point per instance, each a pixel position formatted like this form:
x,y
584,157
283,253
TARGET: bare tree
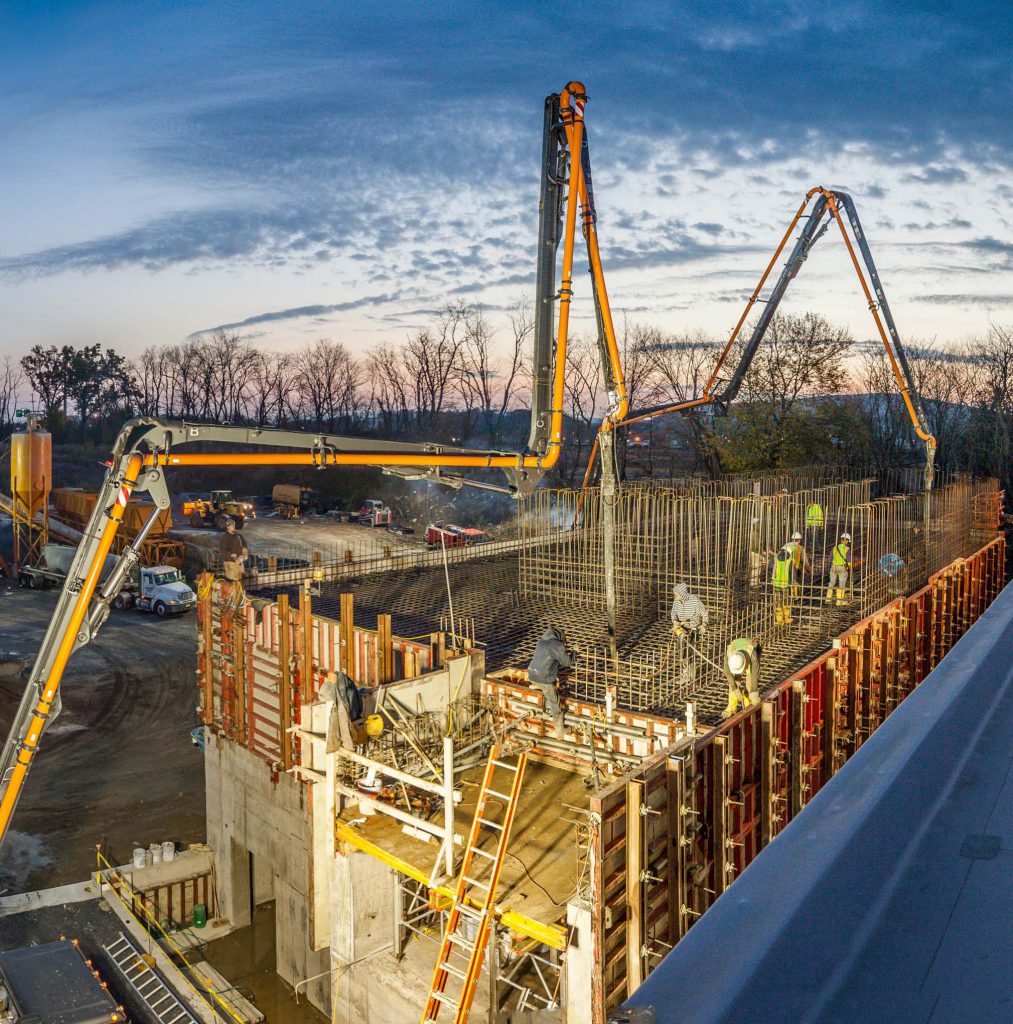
x,y
12,380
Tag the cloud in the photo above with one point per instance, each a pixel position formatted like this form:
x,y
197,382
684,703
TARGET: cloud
x,y
983,301
298,312
937,175
188,237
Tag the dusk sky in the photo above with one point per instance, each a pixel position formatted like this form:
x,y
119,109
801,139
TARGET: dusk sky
x,y
303,170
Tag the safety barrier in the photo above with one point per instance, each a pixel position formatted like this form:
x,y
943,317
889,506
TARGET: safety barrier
x,y
676,832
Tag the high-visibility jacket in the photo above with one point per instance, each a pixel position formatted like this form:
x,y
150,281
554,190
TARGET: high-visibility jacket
x,y
814,515
784,568
842,554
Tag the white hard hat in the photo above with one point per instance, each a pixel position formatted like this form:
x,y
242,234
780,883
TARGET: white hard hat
x,y
796,535
845,536
737,663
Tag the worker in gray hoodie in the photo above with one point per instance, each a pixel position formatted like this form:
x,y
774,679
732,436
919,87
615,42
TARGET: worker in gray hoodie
x,y
550,658
689,614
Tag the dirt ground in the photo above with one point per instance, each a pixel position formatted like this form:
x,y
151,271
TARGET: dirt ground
x,y
117,767
298,538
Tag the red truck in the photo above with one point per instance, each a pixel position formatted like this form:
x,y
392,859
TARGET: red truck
x,y
440,534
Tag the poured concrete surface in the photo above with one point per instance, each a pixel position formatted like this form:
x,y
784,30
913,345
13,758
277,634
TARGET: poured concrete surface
x,y
540,870
117,766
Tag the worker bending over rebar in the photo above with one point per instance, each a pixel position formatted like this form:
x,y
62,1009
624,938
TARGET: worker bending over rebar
x,y
742,670
551,658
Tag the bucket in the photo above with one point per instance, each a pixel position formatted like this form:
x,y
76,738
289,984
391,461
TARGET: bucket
x,y
200,915
156,853
139,853
168,852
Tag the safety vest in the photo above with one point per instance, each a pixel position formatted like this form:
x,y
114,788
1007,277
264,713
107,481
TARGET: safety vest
x,y
814,515
784,564
840,554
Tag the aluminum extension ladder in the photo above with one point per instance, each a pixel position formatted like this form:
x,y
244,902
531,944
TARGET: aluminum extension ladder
x,y
163,1003
454,940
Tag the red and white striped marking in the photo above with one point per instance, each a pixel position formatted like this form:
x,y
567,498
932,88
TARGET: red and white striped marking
x,y
121,498
579,107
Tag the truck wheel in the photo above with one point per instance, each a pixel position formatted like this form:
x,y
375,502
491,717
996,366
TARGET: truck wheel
x,y
33,582
160,610
121,602
196,521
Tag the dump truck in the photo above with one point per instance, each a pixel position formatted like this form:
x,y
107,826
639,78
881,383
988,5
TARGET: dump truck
x,y
158,589
217,509
293,500
440,535
372,512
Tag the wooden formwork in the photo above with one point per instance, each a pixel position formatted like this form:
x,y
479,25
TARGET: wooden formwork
x,y
670,836
259,663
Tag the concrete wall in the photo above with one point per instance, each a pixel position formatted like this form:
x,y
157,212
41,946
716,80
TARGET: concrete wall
x,y
248,813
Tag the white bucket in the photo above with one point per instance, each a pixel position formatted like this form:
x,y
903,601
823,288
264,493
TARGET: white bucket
x,y
156,853
168,852
139,853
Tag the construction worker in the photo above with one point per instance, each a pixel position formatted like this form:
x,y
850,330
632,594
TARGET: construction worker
x,y
742,670
814,516
798,553
550,659
840,569
234,551
689,614
789,562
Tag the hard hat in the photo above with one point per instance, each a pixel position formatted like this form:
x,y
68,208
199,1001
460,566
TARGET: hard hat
x,y
796,535
737,663
845,536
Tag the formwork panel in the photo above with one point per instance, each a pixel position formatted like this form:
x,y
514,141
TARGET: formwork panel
x,y
728,793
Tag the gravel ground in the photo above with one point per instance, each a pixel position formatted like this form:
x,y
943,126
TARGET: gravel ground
x,y
117,767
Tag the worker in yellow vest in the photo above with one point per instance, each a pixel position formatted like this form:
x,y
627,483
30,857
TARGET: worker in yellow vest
x,y
814,516
840,570
789,564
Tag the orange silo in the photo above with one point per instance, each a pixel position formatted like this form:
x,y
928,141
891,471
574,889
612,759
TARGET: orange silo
x,y
31,479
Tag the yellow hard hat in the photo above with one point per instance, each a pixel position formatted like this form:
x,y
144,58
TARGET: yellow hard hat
x,y
374,726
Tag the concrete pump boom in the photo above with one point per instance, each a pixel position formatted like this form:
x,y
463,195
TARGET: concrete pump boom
x,y
829,203
146,447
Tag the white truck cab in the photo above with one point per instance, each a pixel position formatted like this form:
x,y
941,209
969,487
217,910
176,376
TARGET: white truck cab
x,y
161,591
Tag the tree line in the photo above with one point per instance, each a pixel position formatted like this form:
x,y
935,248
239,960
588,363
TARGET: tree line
x,y
813,394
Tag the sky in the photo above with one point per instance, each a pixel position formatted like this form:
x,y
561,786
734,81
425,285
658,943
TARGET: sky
x,y
304,170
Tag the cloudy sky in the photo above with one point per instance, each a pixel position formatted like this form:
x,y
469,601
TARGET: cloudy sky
x,y
340,169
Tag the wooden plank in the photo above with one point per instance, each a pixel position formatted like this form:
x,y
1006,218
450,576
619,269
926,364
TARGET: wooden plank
x,y
207,662
796,752
674,849
634,886
285,678
766,772
347,612
718,810
385,649
239,676
306,688
830,720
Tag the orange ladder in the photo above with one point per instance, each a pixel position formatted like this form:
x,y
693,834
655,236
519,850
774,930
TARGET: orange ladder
x,y
481,914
